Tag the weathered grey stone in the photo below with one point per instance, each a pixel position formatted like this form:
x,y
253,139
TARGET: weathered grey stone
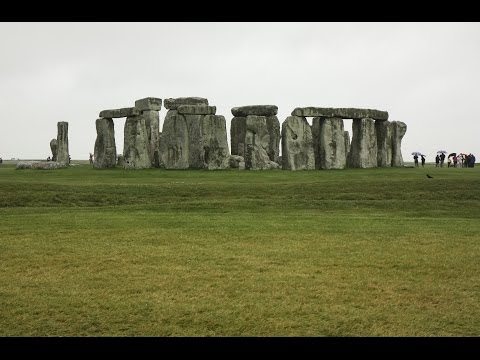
x,y
384,143
257,141
172,104
62,142
329,143
347,146
120,161
235,161
119,113
238,128
152,123
344,113
196,110
105,150
297,144
363,150
40,165
135,146
53,147
174,141
273,127
194,138
261,110
398,130
149,103
215,154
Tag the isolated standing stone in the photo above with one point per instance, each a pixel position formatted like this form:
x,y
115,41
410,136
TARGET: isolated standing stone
x,y
398,130
328,143
53,147
62,142
363,151
135,147
297,144
215,154
384,143
105,149
174,141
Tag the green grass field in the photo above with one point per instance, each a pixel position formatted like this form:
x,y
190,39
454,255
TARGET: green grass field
x,y
357,252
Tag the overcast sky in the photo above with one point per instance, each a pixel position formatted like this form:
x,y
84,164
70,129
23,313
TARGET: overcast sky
x,y
424,74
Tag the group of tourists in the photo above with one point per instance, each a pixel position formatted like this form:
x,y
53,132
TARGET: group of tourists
x,y
453,160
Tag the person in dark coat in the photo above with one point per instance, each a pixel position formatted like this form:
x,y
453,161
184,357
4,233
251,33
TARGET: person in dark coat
x,y
415,158
437,160
423,160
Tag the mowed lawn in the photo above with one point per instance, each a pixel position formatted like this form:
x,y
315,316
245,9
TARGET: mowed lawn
x,y
357,252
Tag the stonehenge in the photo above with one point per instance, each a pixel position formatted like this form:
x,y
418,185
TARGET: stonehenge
x,y
193,136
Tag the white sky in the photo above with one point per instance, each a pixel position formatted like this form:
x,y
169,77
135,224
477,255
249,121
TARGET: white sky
x,y
424,74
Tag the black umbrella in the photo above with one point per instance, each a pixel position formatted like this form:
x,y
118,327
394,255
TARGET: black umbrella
x,y
452,154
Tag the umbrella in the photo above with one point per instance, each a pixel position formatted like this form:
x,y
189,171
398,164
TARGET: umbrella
x,y
452,154
418,153
442,151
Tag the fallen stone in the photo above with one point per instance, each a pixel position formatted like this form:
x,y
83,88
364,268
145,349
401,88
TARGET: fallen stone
x,y
261,110
344,113
120,113
173,104
40,165
120,160
235,161
149,103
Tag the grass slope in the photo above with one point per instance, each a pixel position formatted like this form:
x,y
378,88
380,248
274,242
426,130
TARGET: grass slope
x,y
373,252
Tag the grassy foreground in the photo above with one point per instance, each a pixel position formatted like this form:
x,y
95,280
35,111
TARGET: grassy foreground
x,y
374,252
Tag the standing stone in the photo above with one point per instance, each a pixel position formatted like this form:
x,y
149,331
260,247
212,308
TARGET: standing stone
x,y
152,123
215,154
174,141
384,143
120,160
53,147
328,143
297,144
347,146
135,147
238,128
273,126
62,142
257,141
363,151
398,130
105,149
194,139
